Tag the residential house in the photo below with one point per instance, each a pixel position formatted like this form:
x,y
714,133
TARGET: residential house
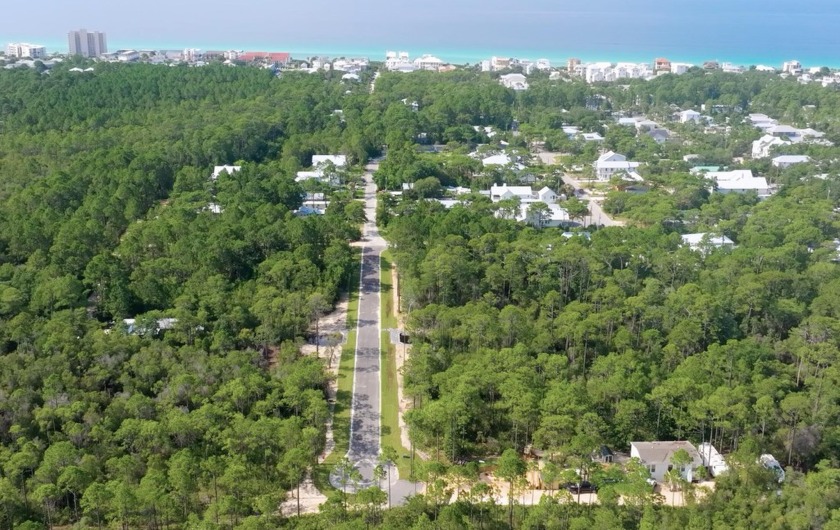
x,y
556,215
662,65
680,68
657,456
611,163
514,81
277,59
570,130
762,147
592,137
705,242
739,181
398,62
689,116
337,160
714,461
503,192
428,62
785,161
732,68
320,164
162,324
502,159
659,135
792,67
783,131
230,170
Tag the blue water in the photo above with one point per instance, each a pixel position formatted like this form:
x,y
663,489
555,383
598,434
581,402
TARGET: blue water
x,y
740,31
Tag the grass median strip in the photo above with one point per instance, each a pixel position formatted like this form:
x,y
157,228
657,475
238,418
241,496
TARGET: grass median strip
x,y
390,401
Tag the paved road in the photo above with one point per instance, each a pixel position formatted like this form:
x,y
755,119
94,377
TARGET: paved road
x,y
366,411
597,215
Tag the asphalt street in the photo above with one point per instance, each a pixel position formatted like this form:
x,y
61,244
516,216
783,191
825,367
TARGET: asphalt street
x,y
365,424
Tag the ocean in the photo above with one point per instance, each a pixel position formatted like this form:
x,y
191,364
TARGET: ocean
x,y
739,31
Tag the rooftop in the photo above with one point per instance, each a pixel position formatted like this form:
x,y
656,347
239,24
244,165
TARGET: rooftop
x,y
663,451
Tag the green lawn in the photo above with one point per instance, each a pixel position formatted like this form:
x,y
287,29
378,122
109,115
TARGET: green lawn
x,y
344,395
390,403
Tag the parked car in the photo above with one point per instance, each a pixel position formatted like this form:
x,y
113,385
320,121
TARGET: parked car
x,y
581,487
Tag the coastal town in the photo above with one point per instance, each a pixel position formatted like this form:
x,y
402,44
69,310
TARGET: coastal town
x,y
273,290
515,71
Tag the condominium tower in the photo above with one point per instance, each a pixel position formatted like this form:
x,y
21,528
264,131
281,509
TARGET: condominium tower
x,y
25,50
87,43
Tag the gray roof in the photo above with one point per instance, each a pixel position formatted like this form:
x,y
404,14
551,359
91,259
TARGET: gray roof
x,y
663,451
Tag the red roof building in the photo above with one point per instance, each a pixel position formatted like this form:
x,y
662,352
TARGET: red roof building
x,y
278,58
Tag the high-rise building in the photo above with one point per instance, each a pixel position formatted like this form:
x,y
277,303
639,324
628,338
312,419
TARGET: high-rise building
x,y
87,43
25,50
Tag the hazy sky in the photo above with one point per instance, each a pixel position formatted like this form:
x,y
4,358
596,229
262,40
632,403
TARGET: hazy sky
x,y
709,28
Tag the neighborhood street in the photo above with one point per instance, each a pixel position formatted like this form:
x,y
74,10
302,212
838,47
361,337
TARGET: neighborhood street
x,y
365,425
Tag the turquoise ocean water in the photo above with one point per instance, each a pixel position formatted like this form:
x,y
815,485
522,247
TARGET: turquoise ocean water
x,y
740,31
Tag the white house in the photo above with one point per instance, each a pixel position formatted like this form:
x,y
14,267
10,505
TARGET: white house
x,y
428,62
500,193
656,456
514,81
762,147
161,324
230,170
739,181
556,216
680,68
792,67
704,242
592,137
337,160
713,460
319,165
502,159
785,161
398,62
689,115
611,163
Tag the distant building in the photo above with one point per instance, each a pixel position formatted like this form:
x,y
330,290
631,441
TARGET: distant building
x,y
762,147
24,50
705,242
398,62
680,68
428,62
270,58
662,65
792,67
785,161
611,163
689,115
514,81
573,63
87,43
739,181
218,170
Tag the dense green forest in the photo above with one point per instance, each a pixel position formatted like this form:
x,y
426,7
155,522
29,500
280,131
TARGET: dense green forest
x,y
521,336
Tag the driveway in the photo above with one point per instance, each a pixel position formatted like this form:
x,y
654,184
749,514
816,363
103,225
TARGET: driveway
x,y
597,215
